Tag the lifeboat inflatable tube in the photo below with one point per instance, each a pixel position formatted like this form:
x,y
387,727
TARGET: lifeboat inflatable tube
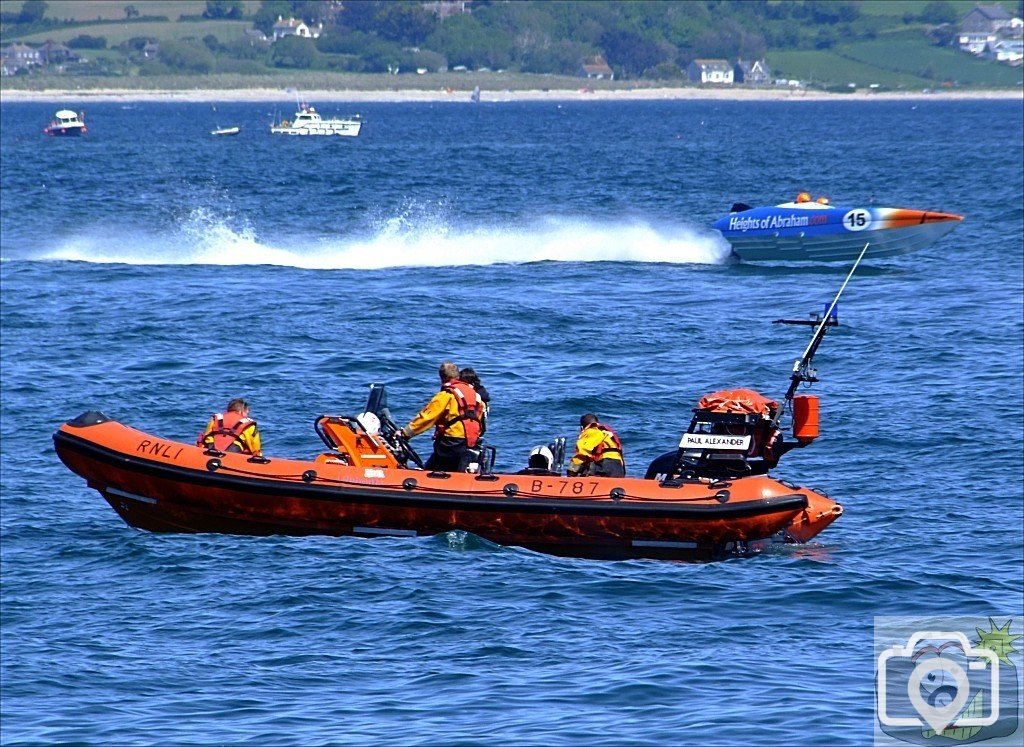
x,y
162,485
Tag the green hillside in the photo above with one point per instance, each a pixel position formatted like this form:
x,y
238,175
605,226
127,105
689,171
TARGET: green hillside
x,y
115,33
897,8
915,56
897,61
829,69
89,10
893,44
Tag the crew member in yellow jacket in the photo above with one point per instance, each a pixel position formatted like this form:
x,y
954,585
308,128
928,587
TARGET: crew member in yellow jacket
x,y
598,450
232,430
455,413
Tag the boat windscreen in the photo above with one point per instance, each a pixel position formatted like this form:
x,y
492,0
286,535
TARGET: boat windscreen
x,y
377,402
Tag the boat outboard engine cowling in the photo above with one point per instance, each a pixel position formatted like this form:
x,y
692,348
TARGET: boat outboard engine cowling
x,y
730,435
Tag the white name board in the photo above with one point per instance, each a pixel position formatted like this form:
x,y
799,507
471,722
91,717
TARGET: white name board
x,y
714,441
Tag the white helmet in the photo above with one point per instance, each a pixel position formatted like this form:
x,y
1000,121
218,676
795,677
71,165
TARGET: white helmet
x,y
541,454
370,422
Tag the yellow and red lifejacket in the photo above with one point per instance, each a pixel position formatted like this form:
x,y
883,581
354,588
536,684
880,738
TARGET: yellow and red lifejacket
x,y
610,446
470,412
226,434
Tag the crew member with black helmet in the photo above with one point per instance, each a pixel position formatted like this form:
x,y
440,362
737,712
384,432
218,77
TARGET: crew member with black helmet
x,y
454,413
598,450
232,431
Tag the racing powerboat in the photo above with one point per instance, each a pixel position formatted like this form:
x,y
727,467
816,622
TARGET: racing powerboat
x,y
818,231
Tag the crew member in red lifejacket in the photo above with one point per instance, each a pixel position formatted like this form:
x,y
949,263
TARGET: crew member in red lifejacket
x,y
232,430
473,379
454,413
598,450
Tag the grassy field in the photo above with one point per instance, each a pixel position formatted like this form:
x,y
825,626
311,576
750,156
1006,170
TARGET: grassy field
x,y
115,33
903,60
90,10
826,68
896,8
915,56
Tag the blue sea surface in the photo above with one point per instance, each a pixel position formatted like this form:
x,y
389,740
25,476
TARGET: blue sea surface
x,y
563,250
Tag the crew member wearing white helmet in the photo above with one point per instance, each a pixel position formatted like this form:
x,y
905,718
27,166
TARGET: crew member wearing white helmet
x,y
540,462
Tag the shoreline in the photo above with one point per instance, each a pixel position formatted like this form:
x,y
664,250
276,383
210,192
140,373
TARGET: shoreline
x,y
242,95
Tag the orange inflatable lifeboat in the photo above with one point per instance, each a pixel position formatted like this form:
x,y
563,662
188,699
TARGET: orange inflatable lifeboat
x,y
711,497
368,485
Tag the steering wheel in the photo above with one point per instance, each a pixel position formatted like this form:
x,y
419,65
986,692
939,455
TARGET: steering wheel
x,y
393,435
408,452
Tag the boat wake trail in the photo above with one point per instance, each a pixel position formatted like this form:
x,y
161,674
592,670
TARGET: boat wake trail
x,y
399,242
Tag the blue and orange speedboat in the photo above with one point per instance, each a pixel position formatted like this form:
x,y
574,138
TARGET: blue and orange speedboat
x,y
816,230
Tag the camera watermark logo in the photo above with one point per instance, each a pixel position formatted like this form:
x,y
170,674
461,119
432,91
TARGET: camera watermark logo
x,y
947,682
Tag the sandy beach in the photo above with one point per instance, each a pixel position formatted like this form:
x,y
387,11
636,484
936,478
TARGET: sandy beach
x,y
440,95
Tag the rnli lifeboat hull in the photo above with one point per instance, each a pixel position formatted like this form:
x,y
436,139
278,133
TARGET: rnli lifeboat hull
x,y
825,233
165,486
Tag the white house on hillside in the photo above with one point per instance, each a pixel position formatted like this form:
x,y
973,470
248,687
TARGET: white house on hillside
x,y
595,68
975,42
710,71
990,18
292,27
1010,51
752,72
985,28
444,8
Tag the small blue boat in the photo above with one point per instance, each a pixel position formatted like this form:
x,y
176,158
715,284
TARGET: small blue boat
x,y
818,231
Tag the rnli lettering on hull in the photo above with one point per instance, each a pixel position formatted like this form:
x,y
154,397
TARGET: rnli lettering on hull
x,y
714,441
159,448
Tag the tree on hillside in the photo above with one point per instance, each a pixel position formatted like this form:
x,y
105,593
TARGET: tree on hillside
x,y
407,23
632,52
829,11
224,9
294,51
32,11
728,39
939,12
316,11
360,15
130,12
185,57
268,13
538,46
465,41
85,41
246,48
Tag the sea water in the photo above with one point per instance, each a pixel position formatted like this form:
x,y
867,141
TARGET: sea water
x,y
564,251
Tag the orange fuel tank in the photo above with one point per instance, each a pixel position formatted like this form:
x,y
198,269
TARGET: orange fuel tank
x,y
805,417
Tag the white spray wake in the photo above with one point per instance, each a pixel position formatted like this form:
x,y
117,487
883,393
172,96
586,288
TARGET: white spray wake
x,y
205,239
